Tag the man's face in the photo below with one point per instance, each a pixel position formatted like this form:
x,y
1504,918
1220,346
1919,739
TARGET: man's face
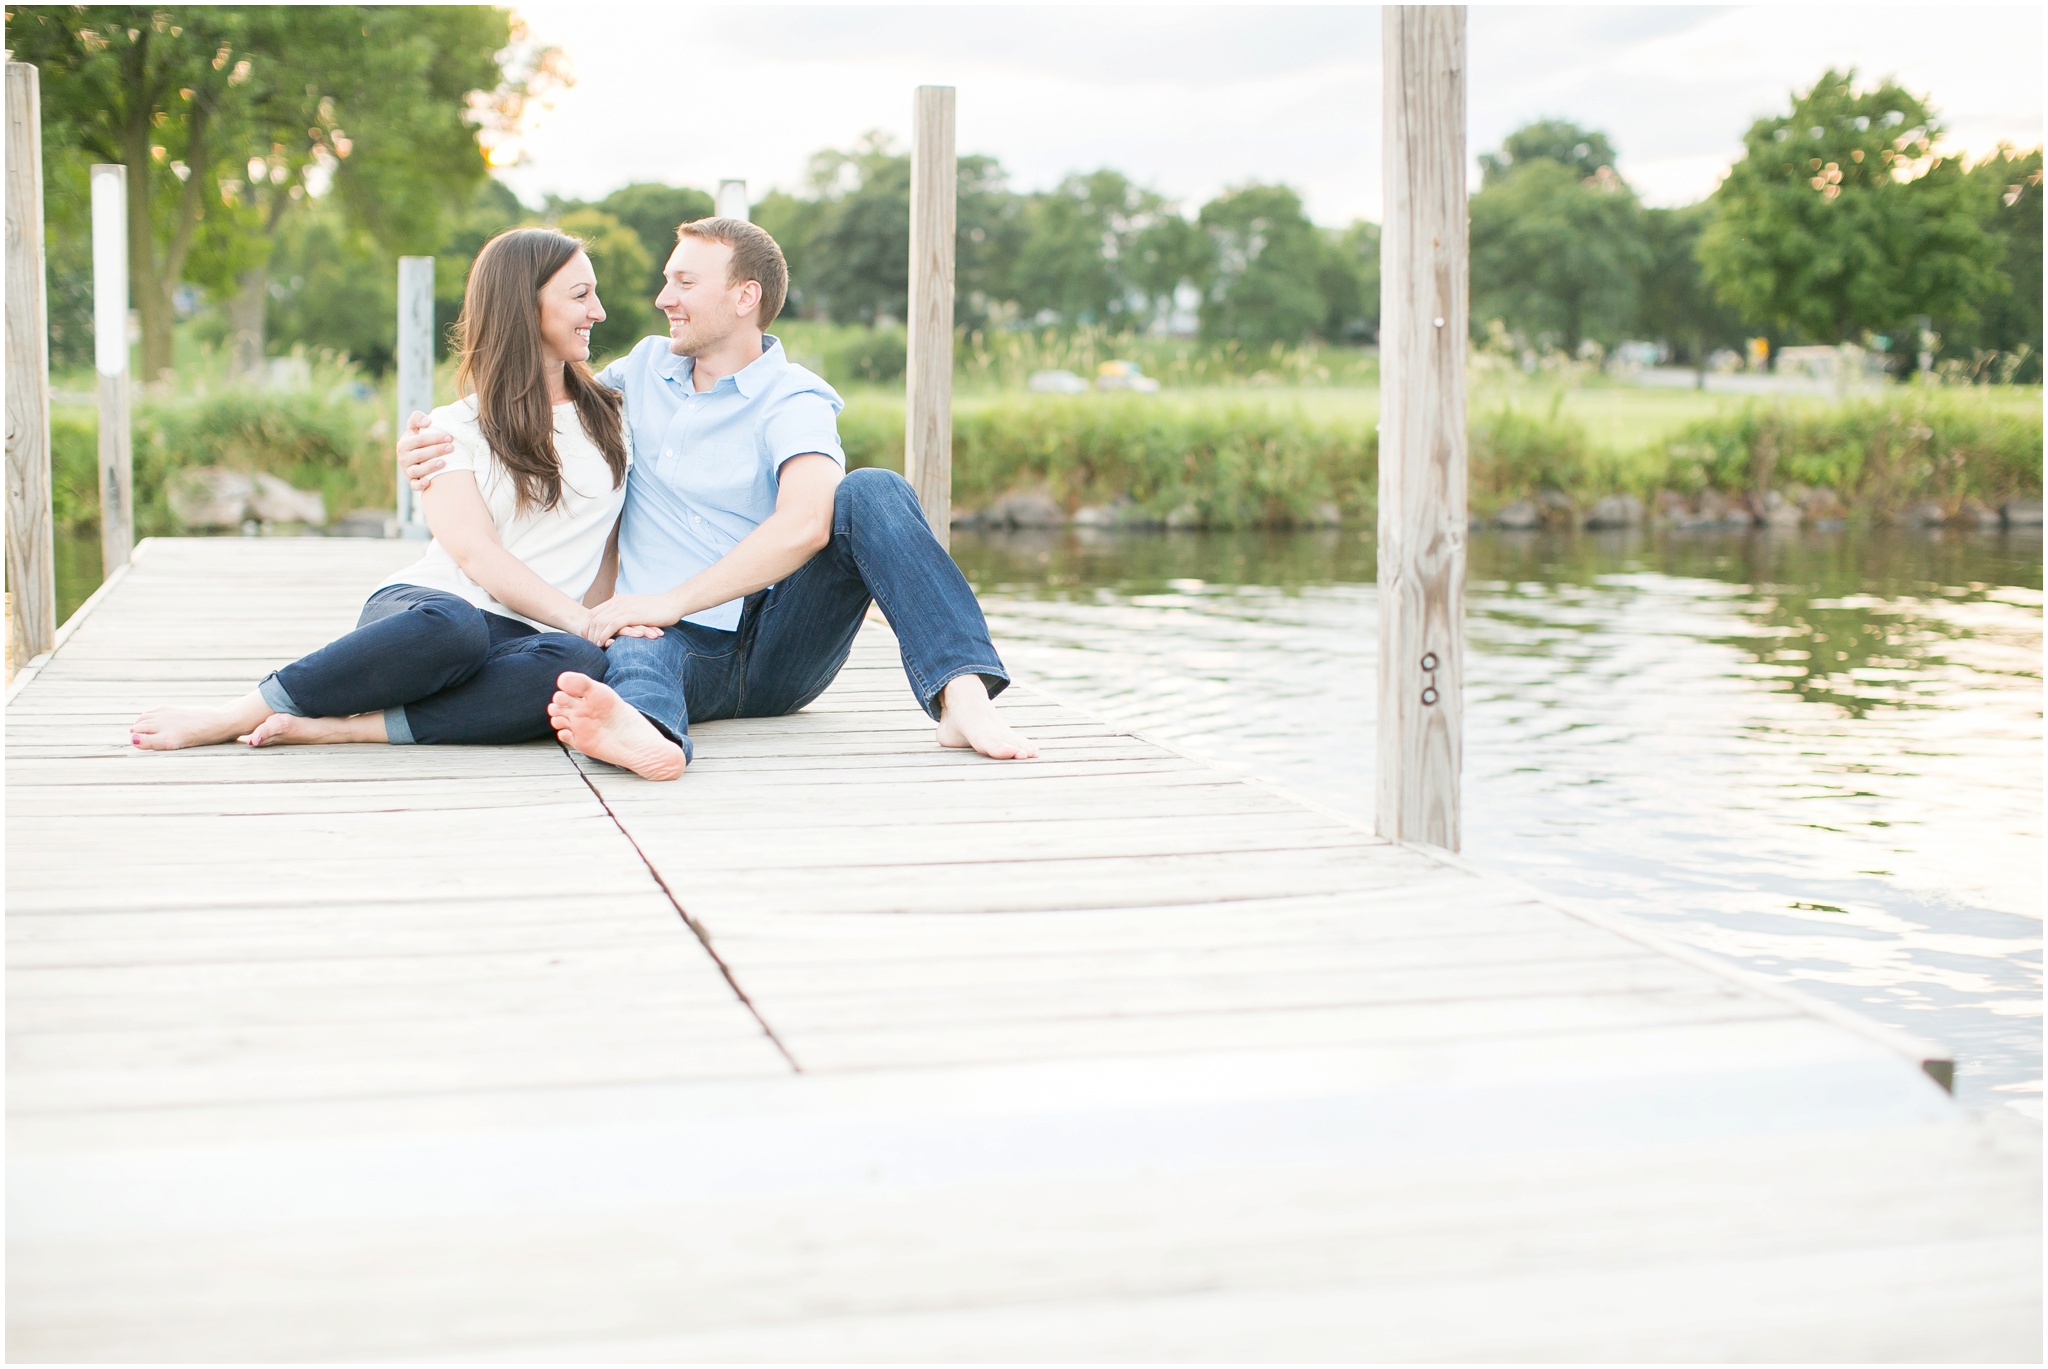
x,y
703,310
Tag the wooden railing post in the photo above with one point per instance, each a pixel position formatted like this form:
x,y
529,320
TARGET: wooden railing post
x,y
31,564
1423,326
110,357
415,365
928,380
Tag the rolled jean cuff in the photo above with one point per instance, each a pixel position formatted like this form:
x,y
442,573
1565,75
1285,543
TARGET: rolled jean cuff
x,y
992,677
397,729
274,694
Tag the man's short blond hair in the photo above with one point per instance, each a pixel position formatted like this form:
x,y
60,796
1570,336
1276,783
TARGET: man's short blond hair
x,y
755,257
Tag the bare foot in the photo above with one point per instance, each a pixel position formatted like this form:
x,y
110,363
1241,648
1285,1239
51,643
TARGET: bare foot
x,y
592,718
173,729
968,717
283,729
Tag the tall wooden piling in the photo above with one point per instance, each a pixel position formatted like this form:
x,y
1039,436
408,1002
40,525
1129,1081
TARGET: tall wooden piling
x,y
110,359
928,385
1423,325
415,366
31,564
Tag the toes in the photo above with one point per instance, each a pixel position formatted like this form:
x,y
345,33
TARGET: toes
x,y
574,682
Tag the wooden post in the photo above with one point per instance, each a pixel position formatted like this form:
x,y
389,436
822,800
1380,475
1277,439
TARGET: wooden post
x,y
110,356
731,202
928,382
1423,325
31,564
415,368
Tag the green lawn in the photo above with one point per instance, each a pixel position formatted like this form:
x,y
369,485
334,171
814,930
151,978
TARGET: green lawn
x,y
1617,418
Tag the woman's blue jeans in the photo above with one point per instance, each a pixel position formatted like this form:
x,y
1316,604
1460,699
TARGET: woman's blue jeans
x,y
439,668
794,635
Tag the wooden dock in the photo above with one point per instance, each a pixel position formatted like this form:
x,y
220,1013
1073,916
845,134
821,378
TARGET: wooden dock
x,y
845,1047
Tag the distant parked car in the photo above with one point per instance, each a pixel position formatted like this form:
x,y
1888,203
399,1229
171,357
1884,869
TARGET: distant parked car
x,y
1056,383
1124,375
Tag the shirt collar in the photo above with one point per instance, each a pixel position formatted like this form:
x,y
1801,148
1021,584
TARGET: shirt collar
x,y
750,380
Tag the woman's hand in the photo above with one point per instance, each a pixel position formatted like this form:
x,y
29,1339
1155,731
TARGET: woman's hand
x,y
630,615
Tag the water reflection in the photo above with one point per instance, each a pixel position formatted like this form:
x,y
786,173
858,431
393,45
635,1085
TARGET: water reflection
x,y
1818,755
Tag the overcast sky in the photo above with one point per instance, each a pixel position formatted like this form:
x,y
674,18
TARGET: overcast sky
x,y
1190,99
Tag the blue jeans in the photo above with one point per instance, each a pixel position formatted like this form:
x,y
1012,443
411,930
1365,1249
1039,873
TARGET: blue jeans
x,y
439,668
794,635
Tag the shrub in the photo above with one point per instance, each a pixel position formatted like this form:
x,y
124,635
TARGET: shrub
x,y
333,441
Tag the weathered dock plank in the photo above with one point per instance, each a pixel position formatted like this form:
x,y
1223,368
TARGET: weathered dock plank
x,y
386,1052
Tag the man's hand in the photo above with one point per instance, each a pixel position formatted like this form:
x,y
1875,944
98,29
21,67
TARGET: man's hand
x,y
421,450
630,615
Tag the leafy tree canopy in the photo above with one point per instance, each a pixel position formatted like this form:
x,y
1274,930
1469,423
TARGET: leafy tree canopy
x,y
1265,281
1557,253
1842,220
1583,151
1677,306
230,117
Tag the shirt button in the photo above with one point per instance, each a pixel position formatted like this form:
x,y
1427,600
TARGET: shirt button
x,y
696,518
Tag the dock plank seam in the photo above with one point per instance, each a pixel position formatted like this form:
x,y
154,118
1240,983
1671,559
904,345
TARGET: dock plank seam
x,y
703,937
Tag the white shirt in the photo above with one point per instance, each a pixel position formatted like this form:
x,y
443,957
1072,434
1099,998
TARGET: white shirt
x,y
563,545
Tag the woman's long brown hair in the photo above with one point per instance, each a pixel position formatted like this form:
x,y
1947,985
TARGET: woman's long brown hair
x,y
504,363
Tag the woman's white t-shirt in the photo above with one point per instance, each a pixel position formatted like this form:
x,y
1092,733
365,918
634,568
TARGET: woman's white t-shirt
x,y
563,545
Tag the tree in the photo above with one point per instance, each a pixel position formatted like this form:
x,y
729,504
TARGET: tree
x,y
2007,329
164,97
1676,304
1169,253
653,212
1078,246
1265,285
1841,220
1351,282
228,118
1556,255
1582,151
857,260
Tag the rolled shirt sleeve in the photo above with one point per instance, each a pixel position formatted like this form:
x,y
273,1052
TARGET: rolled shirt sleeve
x,y
801,424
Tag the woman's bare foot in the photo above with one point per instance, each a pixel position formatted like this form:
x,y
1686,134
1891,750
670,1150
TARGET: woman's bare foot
x,y
968,717
283,729
173,729
592,718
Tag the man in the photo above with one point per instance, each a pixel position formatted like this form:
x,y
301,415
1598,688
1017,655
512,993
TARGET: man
x,y
745,541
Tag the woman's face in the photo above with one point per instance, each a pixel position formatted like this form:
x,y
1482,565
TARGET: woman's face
x,y
569,309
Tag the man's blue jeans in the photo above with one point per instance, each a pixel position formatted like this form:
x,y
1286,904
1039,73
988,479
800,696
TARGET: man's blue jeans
x,y
794,635
439,668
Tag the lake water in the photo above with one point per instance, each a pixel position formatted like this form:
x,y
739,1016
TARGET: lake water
x,y
1818,756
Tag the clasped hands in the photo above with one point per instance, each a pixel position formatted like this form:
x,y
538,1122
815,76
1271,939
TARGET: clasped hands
x,y
422,450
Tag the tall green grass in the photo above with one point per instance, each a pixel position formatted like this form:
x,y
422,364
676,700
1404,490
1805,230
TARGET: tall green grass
x,y
1241,464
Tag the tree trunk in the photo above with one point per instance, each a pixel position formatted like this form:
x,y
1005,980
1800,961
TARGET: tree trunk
x,y
152,295
246,323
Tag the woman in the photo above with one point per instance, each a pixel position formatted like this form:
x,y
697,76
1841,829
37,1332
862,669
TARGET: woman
x,y
456,647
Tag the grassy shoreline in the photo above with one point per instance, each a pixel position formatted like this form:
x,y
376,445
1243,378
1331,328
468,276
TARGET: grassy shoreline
x,y
1232,460
1231,456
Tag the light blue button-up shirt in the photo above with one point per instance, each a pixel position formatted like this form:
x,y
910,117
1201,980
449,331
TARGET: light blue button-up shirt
x,y
706,466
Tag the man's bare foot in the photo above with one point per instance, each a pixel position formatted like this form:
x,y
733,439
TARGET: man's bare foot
x,y
592,718
173,729
968,717
283,729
